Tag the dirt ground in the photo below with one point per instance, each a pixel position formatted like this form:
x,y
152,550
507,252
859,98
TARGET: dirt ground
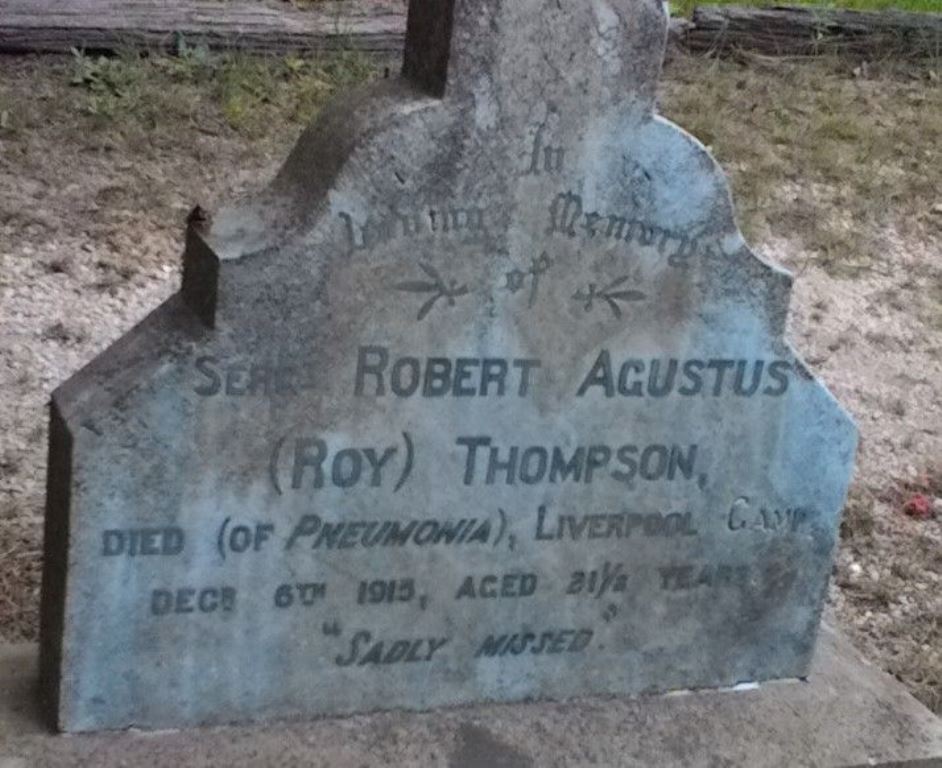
x,y
836,167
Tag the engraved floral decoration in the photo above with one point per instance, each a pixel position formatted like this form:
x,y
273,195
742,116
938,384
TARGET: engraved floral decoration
x,y
438,287
611,294
517,278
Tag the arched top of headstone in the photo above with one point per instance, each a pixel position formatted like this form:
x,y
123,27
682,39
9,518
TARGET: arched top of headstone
x,y
585,54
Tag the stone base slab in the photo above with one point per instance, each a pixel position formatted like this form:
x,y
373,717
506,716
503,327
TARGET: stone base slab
x,y
848,713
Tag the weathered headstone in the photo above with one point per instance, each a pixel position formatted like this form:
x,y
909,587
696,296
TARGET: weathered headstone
x,y
484,399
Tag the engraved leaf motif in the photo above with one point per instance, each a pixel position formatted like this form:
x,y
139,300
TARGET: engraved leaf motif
x,y
627,295
609,295
615,283
429,270
416,286
427,307
439,289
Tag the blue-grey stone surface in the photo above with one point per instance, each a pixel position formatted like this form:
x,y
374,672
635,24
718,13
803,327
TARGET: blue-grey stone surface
x,y
485,398
848,714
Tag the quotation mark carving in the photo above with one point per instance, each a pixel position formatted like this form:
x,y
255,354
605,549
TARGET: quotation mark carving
x,y
611,294
438,287
517,278
610,612
331,629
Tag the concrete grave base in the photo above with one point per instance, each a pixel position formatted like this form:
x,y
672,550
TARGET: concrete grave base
x,y
848,713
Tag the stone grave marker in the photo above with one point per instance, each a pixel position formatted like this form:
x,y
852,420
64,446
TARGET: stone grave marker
x,y
484,398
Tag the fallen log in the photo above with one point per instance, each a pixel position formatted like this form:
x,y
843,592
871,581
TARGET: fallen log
x,y
813,32
56,26
378,26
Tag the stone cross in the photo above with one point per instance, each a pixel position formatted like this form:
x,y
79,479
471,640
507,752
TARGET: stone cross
x,y
484,398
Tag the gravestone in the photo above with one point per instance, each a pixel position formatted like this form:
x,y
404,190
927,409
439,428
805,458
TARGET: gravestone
x,y
483,399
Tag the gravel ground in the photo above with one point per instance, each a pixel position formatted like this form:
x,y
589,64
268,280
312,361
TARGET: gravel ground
x,y
92,210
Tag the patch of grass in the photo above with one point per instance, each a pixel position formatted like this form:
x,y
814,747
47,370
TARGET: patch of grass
x,y
919,666
6,117
685,7
838,159
842,160
246,91
932,308
20,573
858,521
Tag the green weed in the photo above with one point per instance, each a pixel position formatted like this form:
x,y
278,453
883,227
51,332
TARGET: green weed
x,y
819,154
685,7
816,151
246,91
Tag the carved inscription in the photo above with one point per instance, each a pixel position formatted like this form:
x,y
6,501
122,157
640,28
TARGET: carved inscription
x,y
312,463
308,463
517,279
544,158
744,515
614,295
136,542
489,464
242,379
466,223
550,641
717,377
435,288
618,525
379,374
569,218
365,650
